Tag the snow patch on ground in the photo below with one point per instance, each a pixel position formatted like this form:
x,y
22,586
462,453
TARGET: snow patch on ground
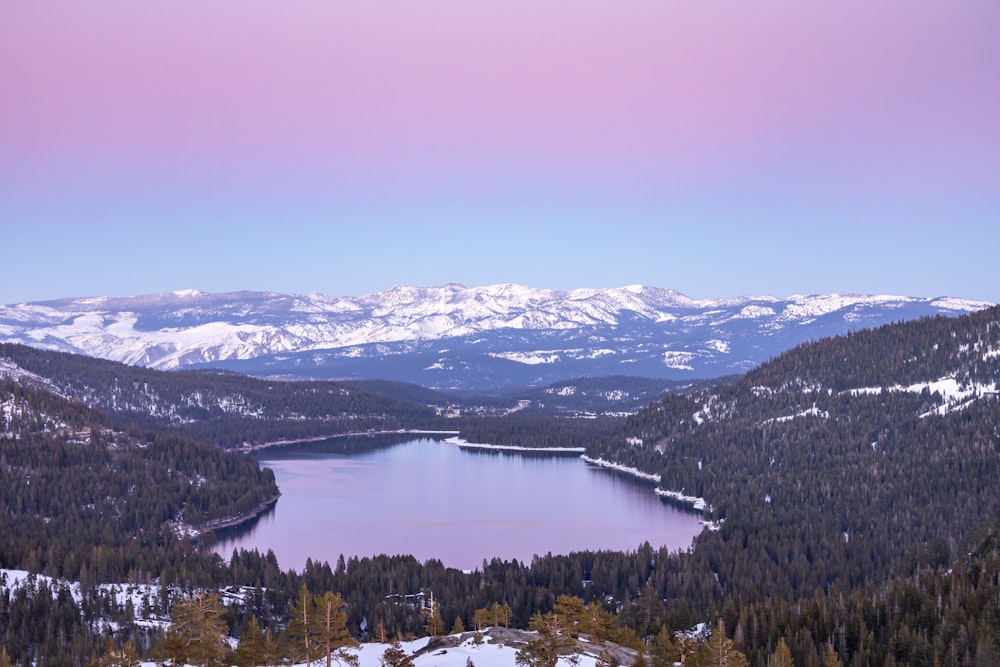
x,y
678,360
717,345
865,391
694,501
593,354
487,654
529,358
954,396
967,305
628,470
512,448
811,412
11,371
754,312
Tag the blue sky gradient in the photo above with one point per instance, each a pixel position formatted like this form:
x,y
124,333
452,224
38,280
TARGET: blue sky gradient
x,y
785,148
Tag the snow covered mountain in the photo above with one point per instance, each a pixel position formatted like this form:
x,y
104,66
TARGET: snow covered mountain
x,y
452,336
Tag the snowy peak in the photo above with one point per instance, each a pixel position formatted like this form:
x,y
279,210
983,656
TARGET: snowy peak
x,y
495,330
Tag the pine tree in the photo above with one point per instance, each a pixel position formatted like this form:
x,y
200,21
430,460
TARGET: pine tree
x,y
271,650
572,613
500,614
782,656
300,635
599,623
380,632
435,624
457,627
719,650
5,660
665,652
549,644
830,658
331,634
481,618
250,652
395,656
687,650
197,632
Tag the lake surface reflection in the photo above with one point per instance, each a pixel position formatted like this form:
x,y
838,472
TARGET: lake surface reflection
x,y
364,497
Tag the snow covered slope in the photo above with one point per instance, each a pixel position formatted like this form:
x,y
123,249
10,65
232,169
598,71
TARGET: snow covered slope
x,y
452,336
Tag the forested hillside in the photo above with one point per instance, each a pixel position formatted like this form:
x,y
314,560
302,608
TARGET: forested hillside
x,y
851,481
218,407
616,394
70,483
87,502
840,464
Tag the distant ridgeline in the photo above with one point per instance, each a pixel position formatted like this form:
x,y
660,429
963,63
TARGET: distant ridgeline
x,y
485,340
234,410
219,407
853,480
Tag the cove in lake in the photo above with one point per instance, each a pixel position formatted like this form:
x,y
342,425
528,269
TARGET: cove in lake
x,y
370,496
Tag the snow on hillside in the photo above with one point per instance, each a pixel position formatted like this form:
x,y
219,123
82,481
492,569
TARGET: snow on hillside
x,y
136,595
954,395
637,330
13,372
530,358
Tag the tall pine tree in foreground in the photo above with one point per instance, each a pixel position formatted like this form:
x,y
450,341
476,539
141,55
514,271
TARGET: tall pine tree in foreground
x,y
332,637
300,635
196,634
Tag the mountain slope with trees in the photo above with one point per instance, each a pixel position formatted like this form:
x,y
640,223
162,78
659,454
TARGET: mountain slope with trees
x,y
224,408
851,481
842,462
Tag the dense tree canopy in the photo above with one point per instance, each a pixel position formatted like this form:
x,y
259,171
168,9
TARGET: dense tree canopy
x,y
852,501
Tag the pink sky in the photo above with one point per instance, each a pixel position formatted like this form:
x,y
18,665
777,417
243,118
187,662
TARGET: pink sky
x,y
264,87
646,103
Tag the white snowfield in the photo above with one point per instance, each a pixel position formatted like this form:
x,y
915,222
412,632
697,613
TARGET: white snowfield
x,y
487,654
954,396
179,328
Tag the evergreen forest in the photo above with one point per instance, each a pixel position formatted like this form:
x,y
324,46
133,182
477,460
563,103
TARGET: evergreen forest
x,y
849,489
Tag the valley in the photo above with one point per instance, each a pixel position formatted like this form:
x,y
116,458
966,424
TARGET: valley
x,y
849,481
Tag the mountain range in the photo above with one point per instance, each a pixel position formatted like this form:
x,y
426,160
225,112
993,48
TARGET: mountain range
x,y
452,337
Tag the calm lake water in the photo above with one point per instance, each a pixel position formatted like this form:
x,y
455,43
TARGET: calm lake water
x,y
369,496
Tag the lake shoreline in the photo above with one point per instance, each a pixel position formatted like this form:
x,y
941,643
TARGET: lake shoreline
x,y
676,498
432,499
230,522
465,444
246,449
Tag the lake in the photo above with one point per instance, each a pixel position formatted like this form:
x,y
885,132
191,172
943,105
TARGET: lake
x,y
432,499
